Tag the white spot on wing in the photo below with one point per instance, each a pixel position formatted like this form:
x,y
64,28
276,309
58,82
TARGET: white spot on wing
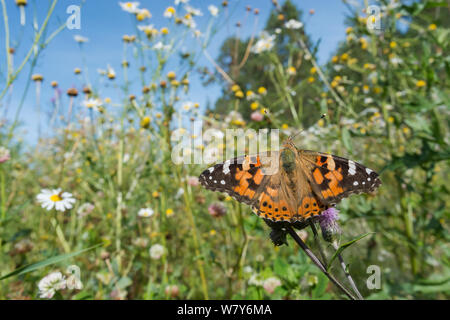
x,y
351,167
211,169
226,167
355,183
368,171
222,181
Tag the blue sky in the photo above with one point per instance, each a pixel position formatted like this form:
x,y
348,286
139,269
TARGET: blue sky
x,y
104,23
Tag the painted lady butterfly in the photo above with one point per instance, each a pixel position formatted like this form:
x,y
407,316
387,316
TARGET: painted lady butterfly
x,y
290,185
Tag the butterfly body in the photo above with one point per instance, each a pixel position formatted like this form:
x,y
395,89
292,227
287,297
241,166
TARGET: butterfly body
x,y
291,185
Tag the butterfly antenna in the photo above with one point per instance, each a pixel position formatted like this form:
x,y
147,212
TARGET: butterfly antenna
x,y
291,137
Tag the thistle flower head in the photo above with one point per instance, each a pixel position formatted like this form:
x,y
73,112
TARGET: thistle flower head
x,y
328,223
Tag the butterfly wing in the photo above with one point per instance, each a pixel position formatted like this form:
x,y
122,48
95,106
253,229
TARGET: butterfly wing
x,y
243,178
333,178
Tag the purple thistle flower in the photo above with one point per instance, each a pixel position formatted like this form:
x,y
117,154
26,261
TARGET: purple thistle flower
x,y
328,223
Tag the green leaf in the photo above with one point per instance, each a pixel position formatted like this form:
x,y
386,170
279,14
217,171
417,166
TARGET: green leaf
x,y
37,265
342,247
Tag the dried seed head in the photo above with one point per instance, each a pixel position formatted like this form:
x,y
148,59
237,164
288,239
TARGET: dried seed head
x,y
72,92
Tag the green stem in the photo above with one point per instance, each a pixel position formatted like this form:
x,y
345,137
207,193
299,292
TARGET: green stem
x,y
60,235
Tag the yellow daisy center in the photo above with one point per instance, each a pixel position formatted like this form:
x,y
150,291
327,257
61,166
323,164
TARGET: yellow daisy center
x,y
55,198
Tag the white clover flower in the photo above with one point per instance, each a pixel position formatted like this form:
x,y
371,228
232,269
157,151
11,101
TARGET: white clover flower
x,y
55,198
50,284
368,100
145,212
213,10
130,6
271,284
80,39
156,251
255,280
85,209
92,103
248,269
265,42
293,24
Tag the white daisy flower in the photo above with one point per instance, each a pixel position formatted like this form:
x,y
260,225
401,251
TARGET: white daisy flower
x,y
194,11
146,28
130,6
213,10
55,198
80,39
266,42
156,251
293,24
50,284
92,103
145,212
188,105
161,46
169,12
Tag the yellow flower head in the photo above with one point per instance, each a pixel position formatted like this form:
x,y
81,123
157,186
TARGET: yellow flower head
x,y
348,30
145,122
393,44
291,70
164,31
262,90
313,70
170,12
169,212
421,83
155,194
235,88
239,94
432,27
171,75
334,59
143,14
284,126
254,105
311,79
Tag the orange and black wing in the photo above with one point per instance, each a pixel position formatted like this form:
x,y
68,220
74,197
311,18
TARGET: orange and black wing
x,y
333,178
243,178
